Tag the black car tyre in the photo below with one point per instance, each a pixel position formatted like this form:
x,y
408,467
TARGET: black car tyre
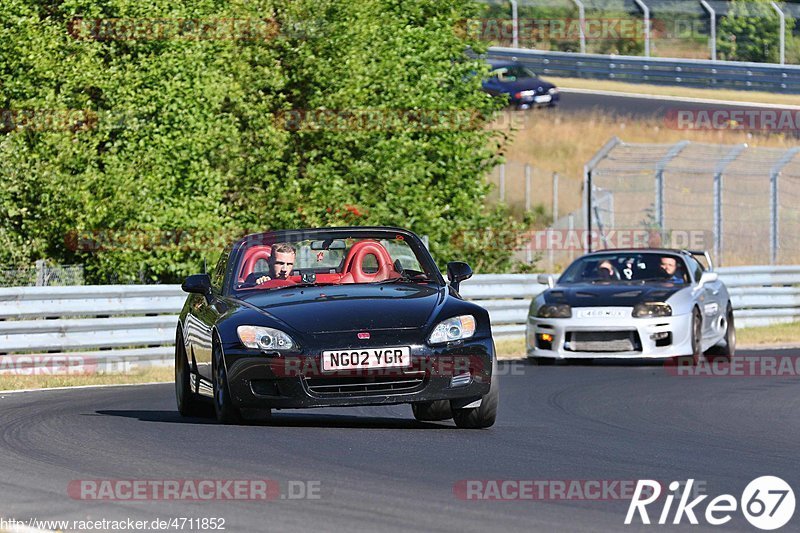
x,y
541,361
482,416
432,411
697,338
226,412
725,350
188,402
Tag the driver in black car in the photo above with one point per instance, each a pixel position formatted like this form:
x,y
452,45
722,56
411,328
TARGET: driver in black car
x,y
281,263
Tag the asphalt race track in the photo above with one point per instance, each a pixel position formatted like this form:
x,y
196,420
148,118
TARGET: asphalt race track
x,y
379,470
643,108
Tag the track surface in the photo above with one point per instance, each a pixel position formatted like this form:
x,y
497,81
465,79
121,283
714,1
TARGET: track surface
x,y
644,108
380,470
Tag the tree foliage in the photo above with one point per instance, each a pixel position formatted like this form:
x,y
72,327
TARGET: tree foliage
x,y
751,32
140,156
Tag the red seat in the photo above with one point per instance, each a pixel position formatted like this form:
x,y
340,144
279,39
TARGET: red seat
x,y
354,263
251,257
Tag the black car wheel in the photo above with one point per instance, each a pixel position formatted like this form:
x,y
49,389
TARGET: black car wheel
x,y
541,361
188,402
482,416
727,348
226,412
432,411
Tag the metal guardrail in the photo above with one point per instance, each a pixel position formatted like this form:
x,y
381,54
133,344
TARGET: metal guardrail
x,y
761,295
660,71
111,324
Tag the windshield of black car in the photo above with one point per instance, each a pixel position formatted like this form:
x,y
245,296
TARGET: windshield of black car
x,y
319,261
626,267
513,73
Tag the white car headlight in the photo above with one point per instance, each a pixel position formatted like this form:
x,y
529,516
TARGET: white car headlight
x,y
265,338
453,329
552,91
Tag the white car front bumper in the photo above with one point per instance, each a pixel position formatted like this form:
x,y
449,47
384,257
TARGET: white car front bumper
x,y
623,337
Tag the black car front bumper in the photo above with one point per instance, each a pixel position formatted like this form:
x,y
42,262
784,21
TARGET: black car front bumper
x,y
460,372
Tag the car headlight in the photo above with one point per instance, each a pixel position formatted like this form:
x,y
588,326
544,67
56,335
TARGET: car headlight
x,y
453,329
265,338
525,94
554,311
552,90
651,310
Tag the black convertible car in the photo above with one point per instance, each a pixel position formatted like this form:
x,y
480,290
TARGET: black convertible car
x,y
521,85
334,317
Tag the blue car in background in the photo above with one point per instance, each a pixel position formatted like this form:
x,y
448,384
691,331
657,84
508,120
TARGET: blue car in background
x,y
523,87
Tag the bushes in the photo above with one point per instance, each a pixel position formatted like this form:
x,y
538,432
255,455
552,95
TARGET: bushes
x,y
183,145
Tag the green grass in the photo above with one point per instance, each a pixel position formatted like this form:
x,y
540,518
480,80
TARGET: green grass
x,y
143,375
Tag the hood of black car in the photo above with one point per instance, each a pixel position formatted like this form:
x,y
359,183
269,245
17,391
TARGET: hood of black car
x,y
352,307
611,293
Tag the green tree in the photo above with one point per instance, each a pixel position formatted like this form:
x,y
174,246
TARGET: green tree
x,y
185,146
751,32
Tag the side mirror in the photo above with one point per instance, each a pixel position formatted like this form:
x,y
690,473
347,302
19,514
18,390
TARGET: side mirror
x,y
197,283
458,271
707,277
546,279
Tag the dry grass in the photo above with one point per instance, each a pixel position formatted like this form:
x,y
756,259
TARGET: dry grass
x,y
141,375
552,141
758,337
687,92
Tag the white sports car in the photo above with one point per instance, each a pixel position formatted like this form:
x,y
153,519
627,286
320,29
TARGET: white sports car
x,y
632,303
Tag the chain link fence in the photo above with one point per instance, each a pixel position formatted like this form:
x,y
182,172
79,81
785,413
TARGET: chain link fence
x,y
41,274
740,202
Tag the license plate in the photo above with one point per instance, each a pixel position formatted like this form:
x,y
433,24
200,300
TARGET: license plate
x,y
543,99
366,358
602,313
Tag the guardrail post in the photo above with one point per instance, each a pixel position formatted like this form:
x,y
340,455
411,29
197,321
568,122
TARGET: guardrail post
x,y
582,22
570,231
555,197
712,39
718,172
782,37
774,219
659,185
527,187
41,275
587,183
514,24
646,11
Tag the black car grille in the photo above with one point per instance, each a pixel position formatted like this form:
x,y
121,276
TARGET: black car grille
x,y
364,385
603,341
